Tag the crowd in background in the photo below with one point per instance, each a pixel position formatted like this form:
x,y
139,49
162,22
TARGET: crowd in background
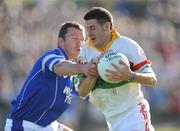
x,y
29,27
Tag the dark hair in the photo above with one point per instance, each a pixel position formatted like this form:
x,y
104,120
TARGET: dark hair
x,y
66,25
102,15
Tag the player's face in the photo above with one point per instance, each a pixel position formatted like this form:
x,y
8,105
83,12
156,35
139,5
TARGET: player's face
x,y
74,39
96,32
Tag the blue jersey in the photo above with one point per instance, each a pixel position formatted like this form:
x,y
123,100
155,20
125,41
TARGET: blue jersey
x,y
44,95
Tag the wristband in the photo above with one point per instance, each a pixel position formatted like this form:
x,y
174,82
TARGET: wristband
x,y
133,76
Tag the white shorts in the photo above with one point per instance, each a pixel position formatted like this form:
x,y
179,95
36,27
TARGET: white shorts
x,y
136,119
29,126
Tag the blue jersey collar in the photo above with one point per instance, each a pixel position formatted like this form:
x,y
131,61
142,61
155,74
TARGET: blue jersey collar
x,y
62,51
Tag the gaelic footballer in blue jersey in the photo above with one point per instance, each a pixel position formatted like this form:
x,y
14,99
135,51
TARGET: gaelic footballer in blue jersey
x,y
47,91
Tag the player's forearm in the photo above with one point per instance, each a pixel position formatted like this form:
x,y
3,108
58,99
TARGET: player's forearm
x,y
86,85
146,79
67,68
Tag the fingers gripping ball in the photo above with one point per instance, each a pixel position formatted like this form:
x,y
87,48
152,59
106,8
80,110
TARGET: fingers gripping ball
x,y
105,63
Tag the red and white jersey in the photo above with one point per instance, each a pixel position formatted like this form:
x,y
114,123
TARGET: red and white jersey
x,y
116,101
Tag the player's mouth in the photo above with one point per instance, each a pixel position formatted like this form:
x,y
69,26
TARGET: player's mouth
x,y
93,38
78,50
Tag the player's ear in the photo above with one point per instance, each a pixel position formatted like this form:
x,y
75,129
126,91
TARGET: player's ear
x,y
107,26
60,40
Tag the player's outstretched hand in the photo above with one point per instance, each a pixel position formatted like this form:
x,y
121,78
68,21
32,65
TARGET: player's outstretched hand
x,y
120,73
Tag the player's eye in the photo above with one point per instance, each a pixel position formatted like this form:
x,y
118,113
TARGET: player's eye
x,y
89,29
92,28
74,38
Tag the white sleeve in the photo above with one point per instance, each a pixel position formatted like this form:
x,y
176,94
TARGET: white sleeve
x,y
137,57
50,60
83,58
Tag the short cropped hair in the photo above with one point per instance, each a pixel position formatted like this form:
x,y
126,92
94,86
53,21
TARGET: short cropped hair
x,y
102,15
64,27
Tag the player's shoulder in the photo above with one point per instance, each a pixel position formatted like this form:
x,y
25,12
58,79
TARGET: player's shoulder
x,y
85,45
53,54
127,40
56,51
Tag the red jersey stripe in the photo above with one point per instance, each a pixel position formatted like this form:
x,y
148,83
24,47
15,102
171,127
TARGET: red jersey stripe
x,y
138,66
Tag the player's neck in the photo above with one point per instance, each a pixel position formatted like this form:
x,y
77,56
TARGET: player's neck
x,y
61,46
105,42
64,49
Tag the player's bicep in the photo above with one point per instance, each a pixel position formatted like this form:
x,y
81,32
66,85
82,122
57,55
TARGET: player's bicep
x,y
50,61
137,58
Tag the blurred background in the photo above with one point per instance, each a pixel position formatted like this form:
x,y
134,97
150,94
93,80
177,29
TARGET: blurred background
x,y
30,27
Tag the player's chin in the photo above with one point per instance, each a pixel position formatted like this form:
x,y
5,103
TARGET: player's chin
x,y
95,43
76,54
